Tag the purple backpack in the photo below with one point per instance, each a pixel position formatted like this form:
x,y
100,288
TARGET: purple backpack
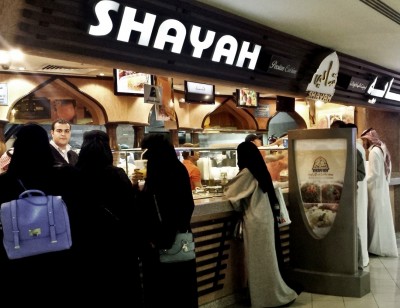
x,y
35,223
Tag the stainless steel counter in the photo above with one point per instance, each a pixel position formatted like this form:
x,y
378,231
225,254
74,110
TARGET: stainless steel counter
x,y
211,205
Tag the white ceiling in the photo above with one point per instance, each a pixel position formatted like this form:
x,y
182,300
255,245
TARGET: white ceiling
x,y
347,26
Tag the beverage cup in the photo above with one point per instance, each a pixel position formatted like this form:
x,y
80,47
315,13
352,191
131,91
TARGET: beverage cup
x,y
141,164
141,184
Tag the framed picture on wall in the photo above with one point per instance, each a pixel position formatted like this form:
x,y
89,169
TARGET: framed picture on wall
x,y
65,109
247,98
130,82
33,108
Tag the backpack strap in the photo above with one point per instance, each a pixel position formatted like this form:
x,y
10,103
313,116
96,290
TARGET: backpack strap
x,y
52,223
50,212
14,223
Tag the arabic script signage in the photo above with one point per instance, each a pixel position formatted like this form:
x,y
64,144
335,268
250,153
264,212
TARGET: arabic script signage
x,y
358,85
322,85
384,93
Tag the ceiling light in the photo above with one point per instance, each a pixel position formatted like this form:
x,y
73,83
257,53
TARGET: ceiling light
x,y
7,57
4,57
16,55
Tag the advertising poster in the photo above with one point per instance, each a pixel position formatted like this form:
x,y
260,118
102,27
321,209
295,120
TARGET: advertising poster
x,y
166,110
321,165
3,94
161,113
247,98
152,94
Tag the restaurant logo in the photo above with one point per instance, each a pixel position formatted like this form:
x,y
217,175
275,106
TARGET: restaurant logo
x,y
283,67
320,165
322,85
174,33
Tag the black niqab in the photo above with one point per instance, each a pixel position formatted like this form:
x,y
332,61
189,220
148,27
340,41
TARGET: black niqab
x,y
249,157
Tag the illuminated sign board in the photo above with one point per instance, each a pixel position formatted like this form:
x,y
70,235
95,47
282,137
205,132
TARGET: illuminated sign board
x,y
225,48
283,67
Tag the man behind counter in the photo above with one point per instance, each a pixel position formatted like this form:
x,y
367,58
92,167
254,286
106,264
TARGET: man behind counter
x,y
189,160
61,135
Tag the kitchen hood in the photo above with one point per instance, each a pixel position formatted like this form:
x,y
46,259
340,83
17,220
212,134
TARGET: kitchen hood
x,y
285,118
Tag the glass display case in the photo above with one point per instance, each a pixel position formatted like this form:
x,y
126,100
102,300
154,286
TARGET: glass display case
x,y
217,165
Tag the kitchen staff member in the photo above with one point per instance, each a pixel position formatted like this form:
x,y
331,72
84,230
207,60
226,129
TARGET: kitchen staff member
x,y
190,159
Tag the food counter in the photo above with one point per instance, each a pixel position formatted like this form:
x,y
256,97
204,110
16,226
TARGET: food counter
x,y
220,257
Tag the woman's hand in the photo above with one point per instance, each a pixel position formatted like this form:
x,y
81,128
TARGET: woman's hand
x,y
137,176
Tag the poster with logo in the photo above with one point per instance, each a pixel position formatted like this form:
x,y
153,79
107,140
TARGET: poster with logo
x,y
152,94
320,167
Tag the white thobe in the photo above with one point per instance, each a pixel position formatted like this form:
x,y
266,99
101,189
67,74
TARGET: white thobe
x,y
362,211
382,236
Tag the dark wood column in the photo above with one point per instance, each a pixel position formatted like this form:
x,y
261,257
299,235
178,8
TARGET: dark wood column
x,y
112,134
194,136
138,136
174,137
111,129
3,146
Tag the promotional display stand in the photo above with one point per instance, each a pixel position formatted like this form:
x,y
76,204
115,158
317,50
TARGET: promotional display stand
x,y
322,200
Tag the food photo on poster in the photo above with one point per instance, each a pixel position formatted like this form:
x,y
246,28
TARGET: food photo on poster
x,y
321,177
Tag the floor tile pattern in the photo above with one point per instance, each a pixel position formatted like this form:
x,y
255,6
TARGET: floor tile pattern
x,y
385,289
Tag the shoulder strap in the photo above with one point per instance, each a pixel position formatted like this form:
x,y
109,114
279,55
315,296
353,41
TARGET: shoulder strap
x,y
22,184
158,210
14,223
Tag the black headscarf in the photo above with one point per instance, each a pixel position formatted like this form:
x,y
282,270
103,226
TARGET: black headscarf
x,y
95,151
162,159
249,157
32,153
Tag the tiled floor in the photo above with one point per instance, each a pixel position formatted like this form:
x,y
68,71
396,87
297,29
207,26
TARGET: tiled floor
x,y
385,289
